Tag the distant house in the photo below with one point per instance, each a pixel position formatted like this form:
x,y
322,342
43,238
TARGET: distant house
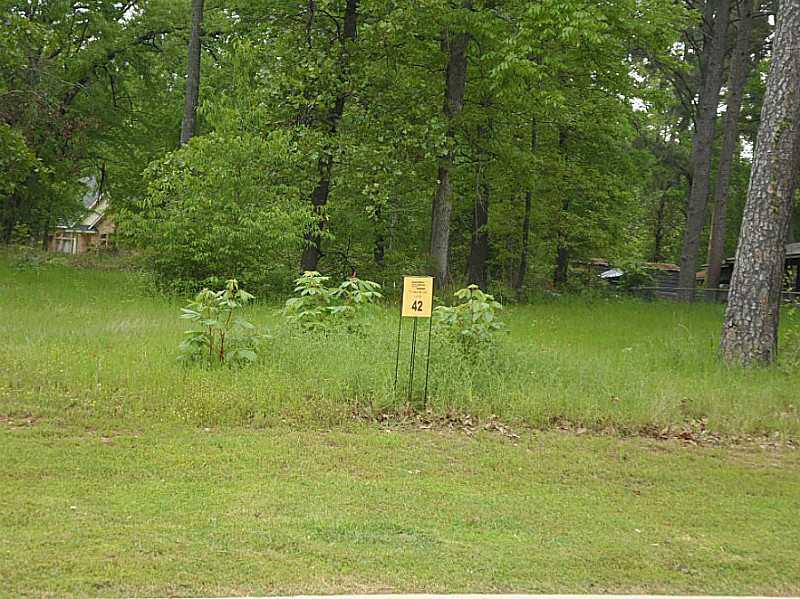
x,y
792,267
93,232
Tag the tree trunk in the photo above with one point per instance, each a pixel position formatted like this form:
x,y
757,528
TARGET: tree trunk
x,y
313,235
519,285
379,248
561,272
750,332
714,52
45,233
455,84
192,74
479,244
739,71
319,197
522,272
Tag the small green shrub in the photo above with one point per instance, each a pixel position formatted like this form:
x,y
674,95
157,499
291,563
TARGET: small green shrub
x,y
473,322
220,335
636,275
27,258
319,308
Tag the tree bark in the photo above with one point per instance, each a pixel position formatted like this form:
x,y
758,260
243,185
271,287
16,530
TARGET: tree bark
x,y
455,85
319,196
479,244
714,53
750,332
192,74
739,70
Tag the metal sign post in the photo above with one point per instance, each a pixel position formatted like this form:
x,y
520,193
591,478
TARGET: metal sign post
x,y
417,303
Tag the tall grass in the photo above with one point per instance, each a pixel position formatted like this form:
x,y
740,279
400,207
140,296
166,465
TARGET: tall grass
x,y
96,346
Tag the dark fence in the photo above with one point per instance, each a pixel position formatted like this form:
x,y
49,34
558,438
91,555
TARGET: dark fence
x,y
712,295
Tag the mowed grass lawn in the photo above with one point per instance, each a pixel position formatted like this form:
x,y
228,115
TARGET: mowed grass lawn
x,y
180,511
123,473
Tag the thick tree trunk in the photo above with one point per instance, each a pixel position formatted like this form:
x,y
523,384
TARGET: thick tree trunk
x,y
455,84
192,74
319,197
714,52
739,70
479,244
750,332
522,272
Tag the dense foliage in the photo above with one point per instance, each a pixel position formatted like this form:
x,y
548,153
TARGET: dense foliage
x,y
472,322
318,308
220,335
513,140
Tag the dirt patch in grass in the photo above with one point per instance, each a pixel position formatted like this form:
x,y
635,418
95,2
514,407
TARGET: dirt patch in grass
x,y
691,433
26,421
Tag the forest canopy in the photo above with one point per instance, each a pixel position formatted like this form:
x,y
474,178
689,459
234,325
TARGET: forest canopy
x,y
500,142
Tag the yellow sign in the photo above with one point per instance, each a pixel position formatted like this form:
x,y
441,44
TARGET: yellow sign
x,y
417,297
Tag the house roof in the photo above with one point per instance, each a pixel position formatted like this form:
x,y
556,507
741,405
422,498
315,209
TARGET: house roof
x,y
92,196
95,206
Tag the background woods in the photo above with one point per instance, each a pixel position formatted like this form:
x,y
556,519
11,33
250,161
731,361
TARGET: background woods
x,y
499,142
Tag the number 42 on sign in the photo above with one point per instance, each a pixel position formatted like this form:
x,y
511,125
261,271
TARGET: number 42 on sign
x,y
417,297
417,303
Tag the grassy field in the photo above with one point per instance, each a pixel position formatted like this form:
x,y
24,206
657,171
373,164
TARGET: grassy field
x,y
123,473
177,511
87,346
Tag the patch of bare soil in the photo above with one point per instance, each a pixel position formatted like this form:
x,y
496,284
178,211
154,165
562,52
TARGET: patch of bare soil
x,y
18,421
691,433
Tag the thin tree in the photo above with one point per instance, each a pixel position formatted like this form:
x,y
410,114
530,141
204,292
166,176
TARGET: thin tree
x,y
477,262
192,74
522,270
321,192
750,332
455,44
712,67
561,268
737,78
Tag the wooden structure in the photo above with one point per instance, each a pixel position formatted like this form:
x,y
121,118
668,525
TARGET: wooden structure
x,y
93,232
792,268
